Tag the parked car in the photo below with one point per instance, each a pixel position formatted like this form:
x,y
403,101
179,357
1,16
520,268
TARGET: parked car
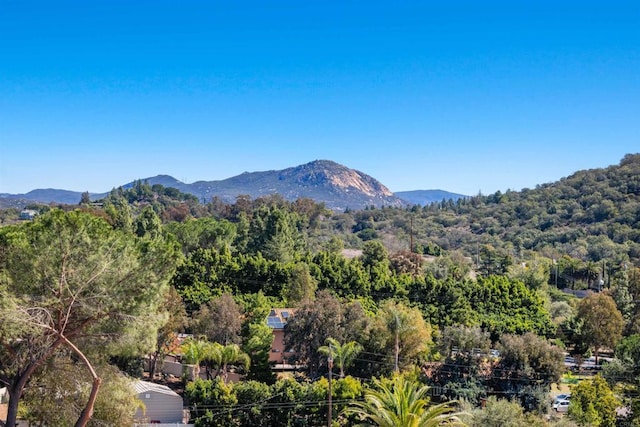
x,y
562,405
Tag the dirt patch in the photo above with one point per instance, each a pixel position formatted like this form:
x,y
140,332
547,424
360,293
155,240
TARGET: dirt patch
x,y
351,253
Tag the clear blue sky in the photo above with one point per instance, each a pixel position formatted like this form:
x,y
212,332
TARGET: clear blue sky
x,y
464,96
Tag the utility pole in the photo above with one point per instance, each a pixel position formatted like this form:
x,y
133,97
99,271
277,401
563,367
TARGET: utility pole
x,y
397,342
330,363
411,234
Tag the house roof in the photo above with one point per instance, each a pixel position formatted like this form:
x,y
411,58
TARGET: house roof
x,y
278,317
146,387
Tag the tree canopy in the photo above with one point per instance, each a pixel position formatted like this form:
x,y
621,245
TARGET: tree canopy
x,y
70,280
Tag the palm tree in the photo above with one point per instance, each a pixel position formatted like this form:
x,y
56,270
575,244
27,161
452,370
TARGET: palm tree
x,y
231,353
342,354
212,356
406,328
398,402
591,272
193,352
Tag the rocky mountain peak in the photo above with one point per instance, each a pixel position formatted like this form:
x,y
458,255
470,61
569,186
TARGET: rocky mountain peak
x,y
333,184
327,172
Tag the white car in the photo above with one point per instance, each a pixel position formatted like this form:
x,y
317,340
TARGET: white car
x,y
561,405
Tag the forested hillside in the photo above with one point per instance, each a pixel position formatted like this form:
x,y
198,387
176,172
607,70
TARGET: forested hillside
x,y
465,295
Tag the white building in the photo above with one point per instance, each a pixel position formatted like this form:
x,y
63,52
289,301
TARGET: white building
x,y
162,405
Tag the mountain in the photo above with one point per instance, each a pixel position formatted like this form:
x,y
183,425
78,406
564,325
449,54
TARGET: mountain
x,y
425,197
337,186
47,195
13,203
322,180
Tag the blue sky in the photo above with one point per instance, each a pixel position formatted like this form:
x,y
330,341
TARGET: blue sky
x,y
463,96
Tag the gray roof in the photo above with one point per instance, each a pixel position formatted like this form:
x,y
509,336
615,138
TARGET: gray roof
x,y
146,387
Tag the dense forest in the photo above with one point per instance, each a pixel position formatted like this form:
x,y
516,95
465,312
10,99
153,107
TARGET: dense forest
x,y
478,299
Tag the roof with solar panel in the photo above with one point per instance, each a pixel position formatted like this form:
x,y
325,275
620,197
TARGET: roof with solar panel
x,y
278,317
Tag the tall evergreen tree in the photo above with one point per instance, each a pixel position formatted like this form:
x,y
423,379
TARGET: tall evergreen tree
x,y
68,279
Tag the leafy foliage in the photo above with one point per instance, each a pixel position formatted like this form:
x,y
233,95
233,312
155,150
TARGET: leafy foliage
x,y
316,321
602,322
593,403
73,281
62,390
342,354
493,268
220,320
399,402
401,333
502,413
527,364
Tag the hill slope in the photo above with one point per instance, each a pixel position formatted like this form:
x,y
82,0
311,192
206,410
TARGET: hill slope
x,y
426,197
590,215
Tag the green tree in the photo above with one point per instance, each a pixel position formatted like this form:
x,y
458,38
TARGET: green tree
x,y
494,261
528,365
463,371
85,199
593,403
343,355
176,321
347,278
310,327
220,320
258,346
275,233
204,275
624,371
256,307
289,403
301,286
213,355
334,245
402,331
508,306
374,252
501,413
534,272
376,263
148,223
252,397
202,233
602,322
118,210
202,395
258,274
194,352
443,302
399,402
232,354
63,388
463,339
629,301
71,280
628,352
